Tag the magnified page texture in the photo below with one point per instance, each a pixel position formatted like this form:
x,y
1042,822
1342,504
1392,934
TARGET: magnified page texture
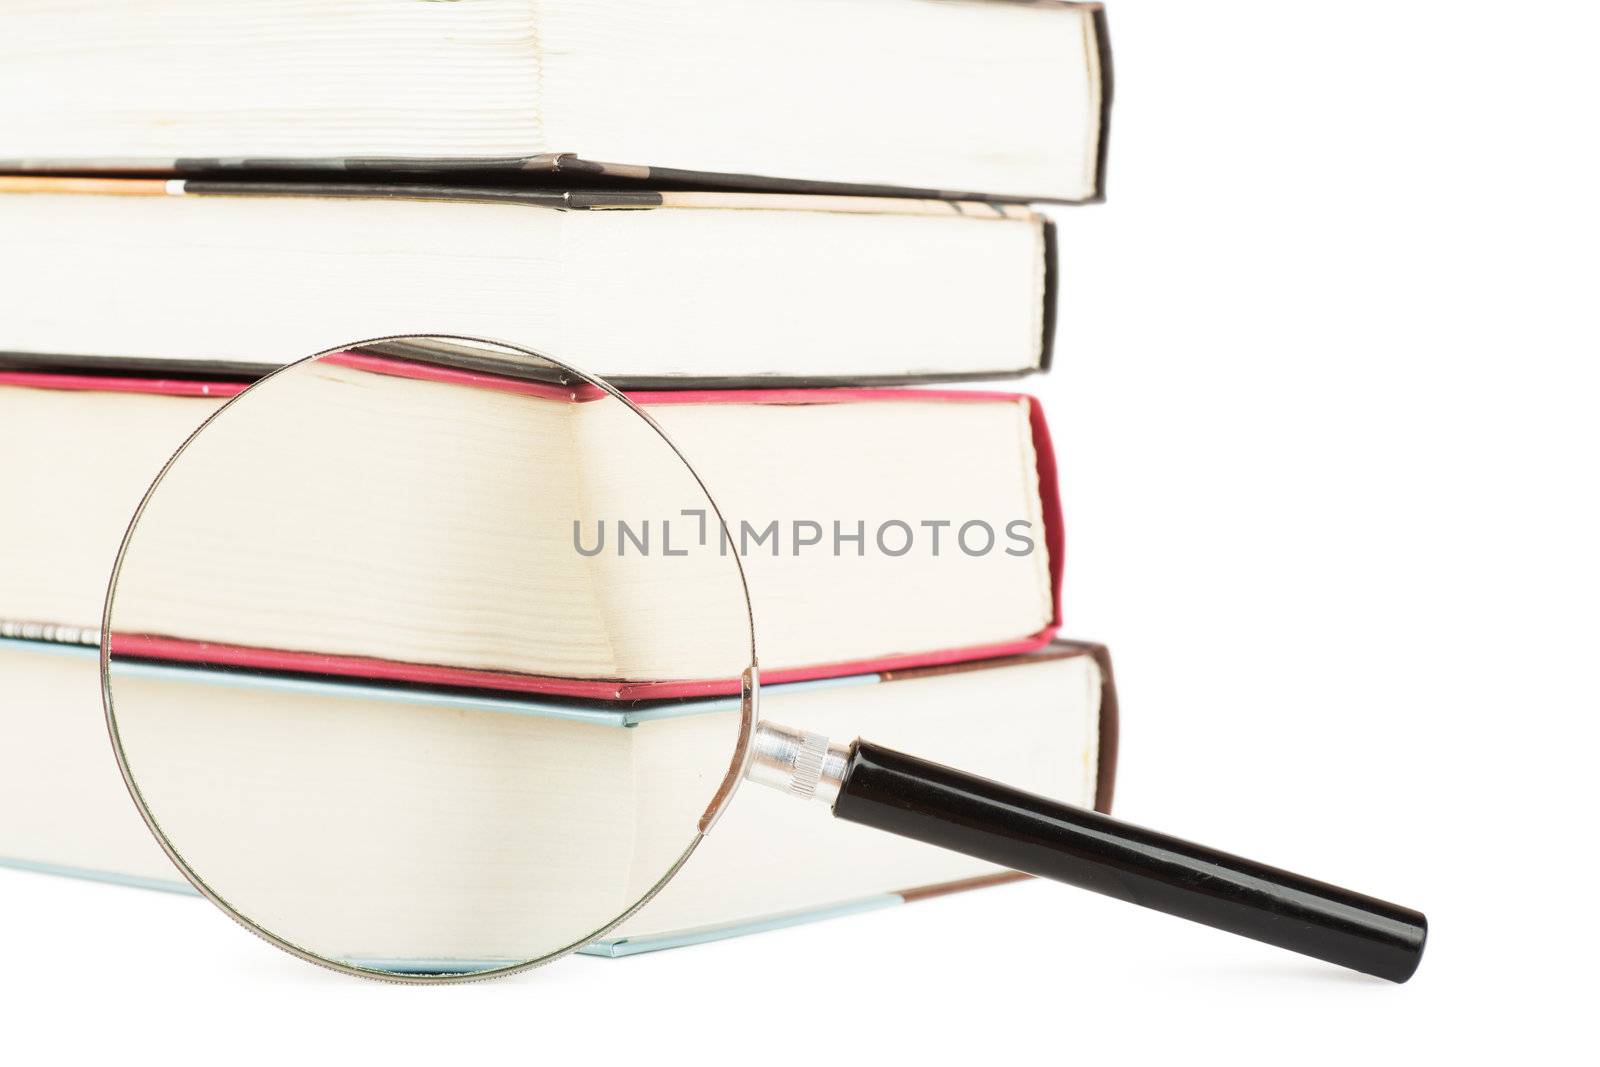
x,y
390,747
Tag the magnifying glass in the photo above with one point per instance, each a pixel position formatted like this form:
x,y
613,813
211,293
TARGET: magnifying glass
x,y
358,649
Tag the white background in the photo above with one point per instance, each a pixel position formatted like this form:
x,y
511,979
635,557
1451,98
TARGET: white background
x,y
1325,404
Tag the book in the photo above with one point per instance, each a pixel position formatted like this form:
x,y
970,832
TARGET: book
x,y
1048,724
859,460
1008,98
647,288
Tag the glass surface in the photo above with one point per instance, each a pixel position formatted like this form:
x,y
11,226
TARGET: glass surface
x,y
364,646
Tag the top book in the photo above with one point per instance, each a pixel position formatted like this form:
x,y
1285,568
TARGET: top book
x,y
998,98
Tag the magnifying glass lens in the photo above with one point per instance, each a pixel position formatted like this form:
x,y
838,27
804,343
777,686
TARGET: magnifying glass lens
x,y
363,668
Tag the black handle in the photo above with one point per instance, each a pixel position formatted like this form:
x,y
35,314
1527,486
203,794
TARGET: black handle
x,y
913,798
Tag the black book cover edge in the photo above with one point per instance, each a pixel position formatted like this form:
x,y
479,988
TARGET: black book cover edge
x,y
229,371
1050,294
1102,36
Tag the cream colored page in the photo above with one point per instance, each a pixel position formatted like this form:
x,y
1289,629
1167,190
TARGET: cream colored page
x,y
270,279
154,79
736,292
358,828
342,512
872,113
77,464
864,465
62,802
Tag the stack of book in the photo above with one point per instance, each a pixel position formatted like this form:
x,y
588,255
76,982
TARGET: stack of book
x,y
772,222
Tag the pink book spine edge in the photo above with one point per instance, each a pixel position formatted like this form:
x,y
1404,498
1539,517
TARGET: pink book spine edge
x,y
147,646
429,372
654,397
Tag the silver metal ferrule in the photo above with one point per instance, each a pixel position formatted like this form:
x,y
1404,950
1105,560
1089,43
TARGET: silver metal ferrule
x,y
799,763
